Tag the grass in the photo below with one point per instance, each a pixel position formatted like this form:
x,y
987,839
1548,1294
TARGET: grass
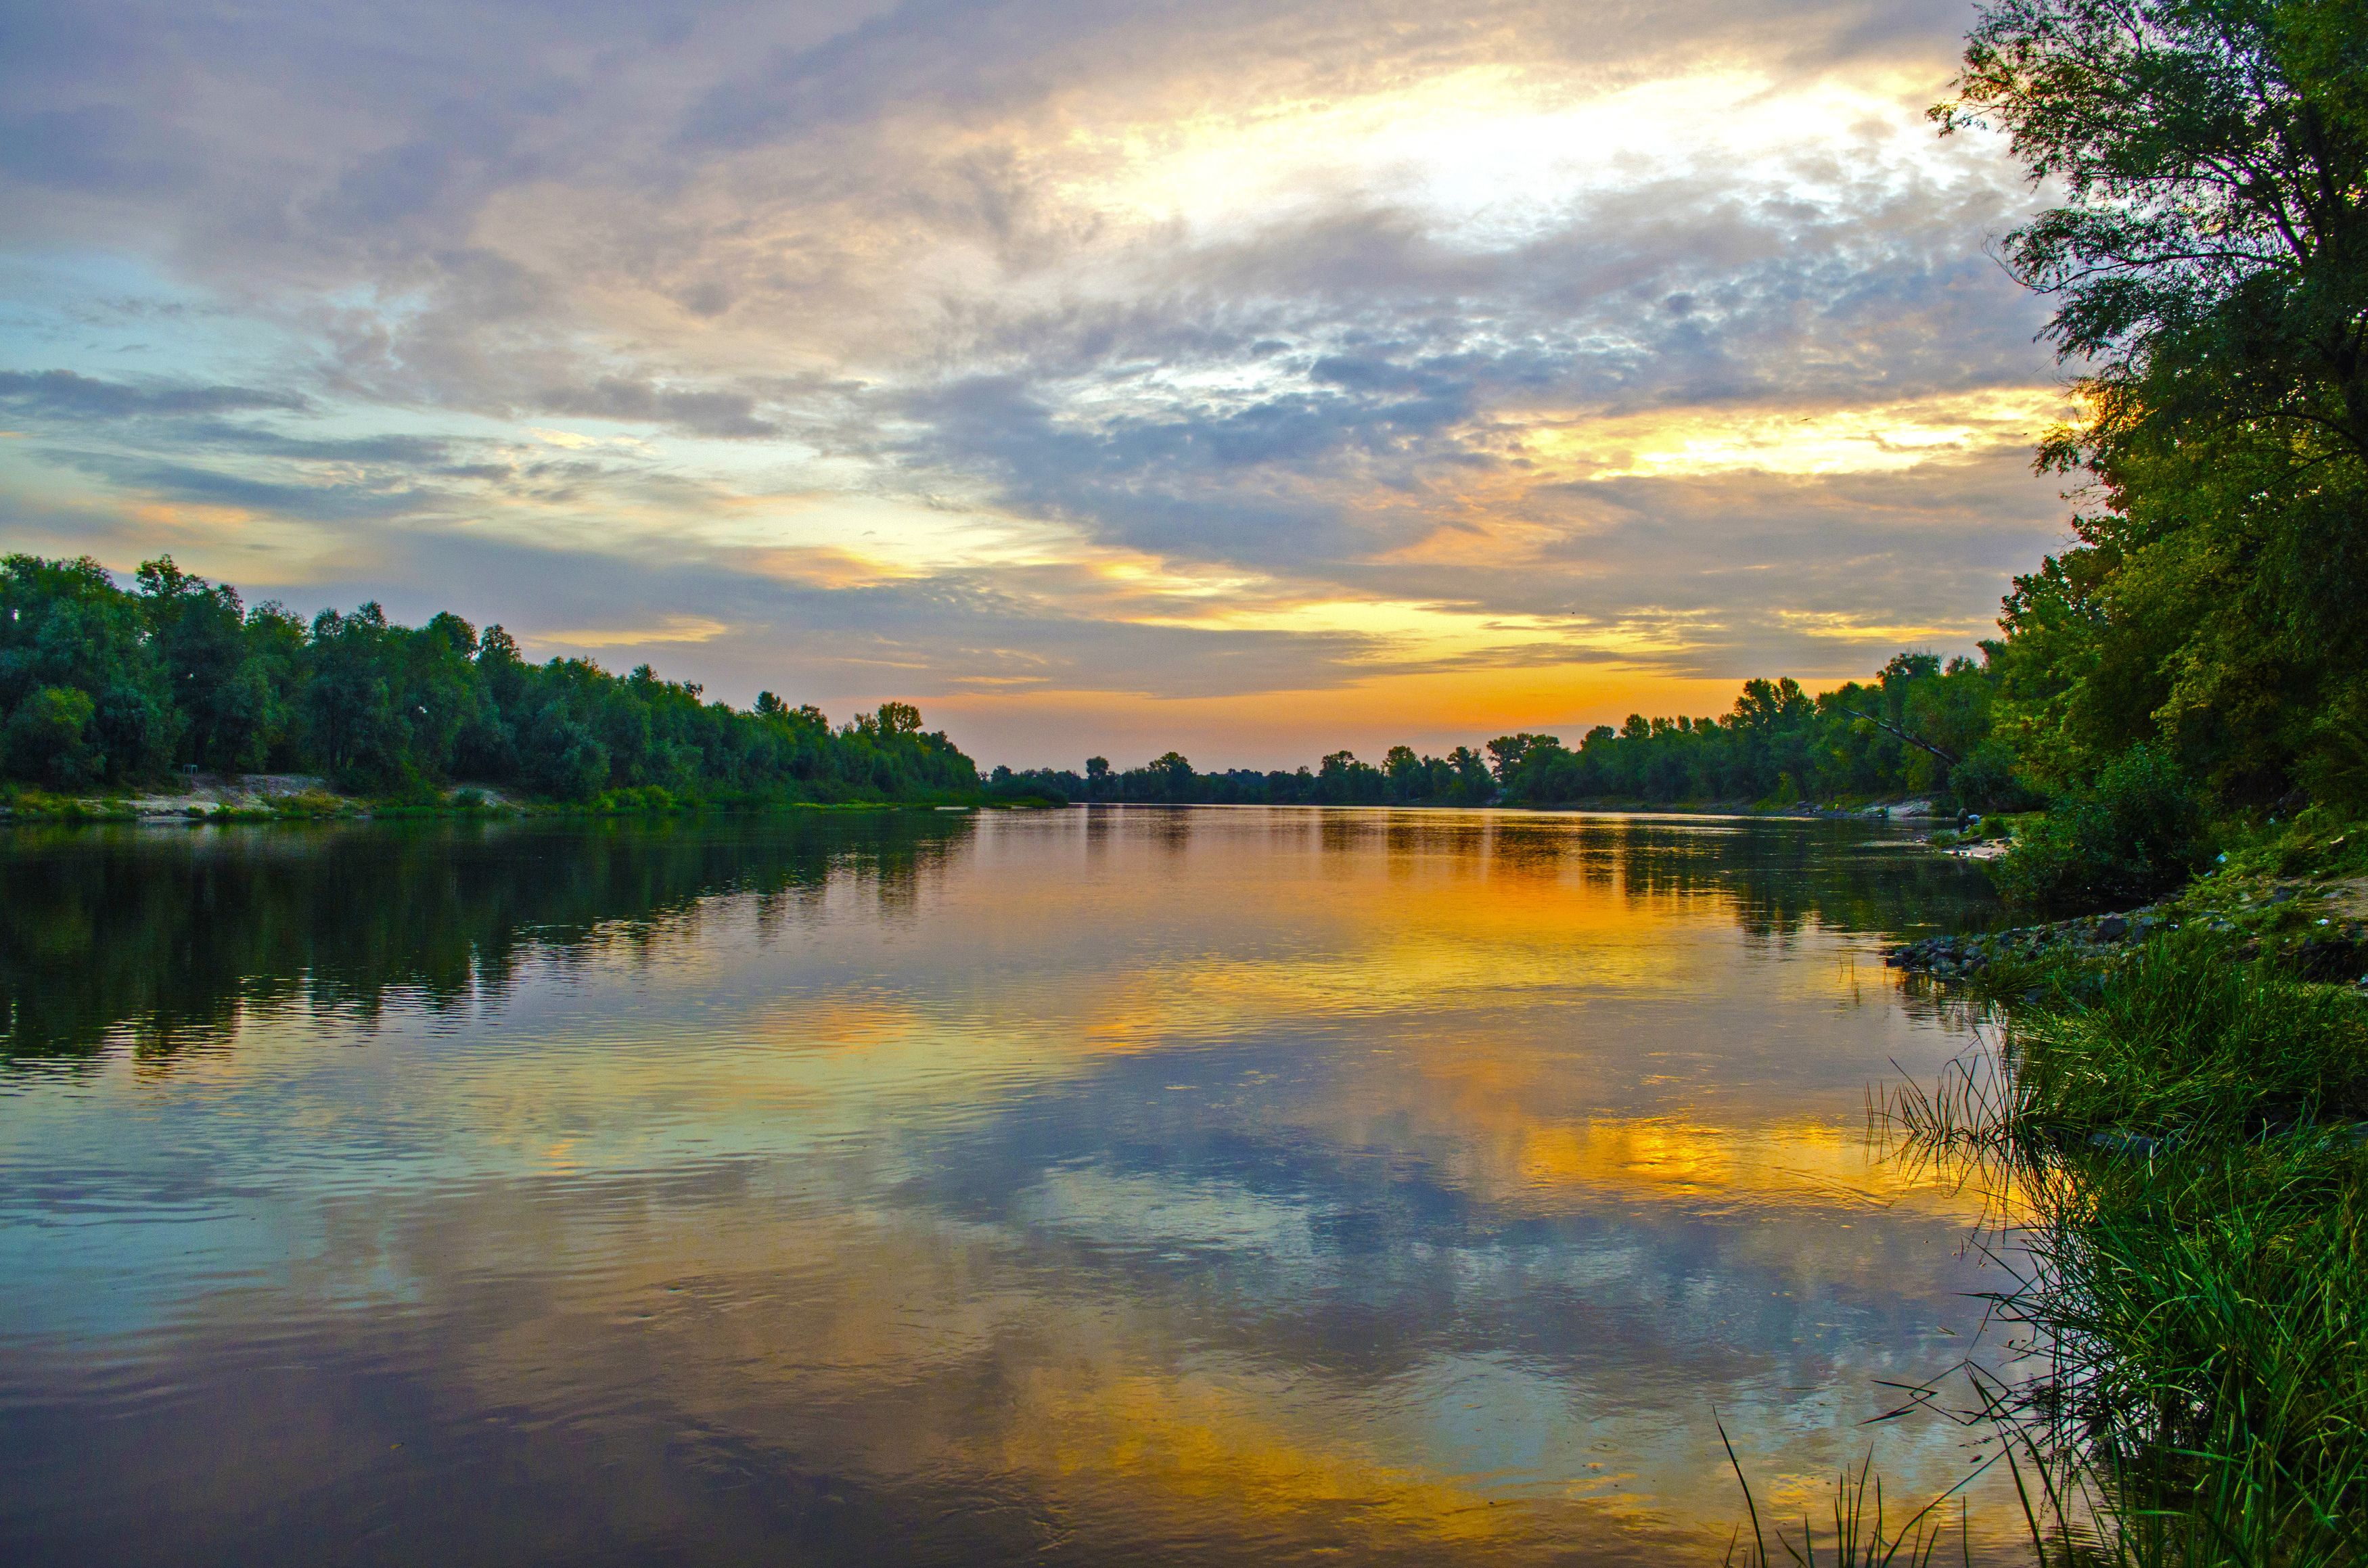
x,y
40,805
2181,1127
2205,1307
1860,1537
2182,1042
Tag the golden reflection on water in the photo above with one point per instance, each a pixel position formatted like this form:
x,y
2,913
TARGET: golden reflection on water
x,y
1115,1184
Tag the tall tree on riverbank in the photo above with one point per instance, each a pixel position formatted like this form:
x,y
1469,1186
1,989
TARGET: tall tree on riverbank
x,y
2209,267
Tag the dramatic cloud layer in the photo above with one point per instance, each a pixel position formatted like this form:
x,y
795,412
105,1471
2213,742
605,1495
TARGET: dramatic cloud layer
x,y
1102,376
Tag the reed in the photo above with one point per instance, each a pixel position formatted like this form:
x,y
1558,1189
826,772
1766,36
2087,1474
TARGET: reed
x,y
2180,1132
1862,1534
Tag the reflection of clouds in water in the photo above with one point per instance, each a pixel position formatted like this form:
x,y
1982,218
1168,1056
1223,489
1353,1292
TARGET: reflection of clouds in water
x,y
1163,1215
1182,1177
926,1358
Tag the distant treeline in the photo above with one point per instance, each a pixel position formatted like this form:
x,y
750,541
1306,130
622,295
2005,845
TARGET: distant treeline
x,y
1920,729
103,685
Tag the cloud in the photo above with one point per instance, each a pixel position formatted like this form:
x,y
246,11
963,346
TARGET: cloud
x,y
1178,353
67,396
92,147
719,414
330,500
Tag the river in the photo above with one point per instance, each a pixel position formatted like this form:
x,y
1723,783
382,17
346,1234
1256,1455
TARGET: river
x,y
1091,1186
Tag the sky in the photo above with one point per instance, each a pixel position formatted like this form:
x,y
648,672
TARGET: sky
x,y
1255,379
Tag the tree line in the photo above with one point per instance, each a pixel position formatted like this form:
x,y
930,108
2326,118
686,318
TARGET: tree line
x,y
102,685
1919,728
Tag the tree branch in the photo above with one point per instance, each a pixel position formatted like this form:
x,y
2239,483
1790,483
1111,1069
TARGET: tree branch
x,y
1910,736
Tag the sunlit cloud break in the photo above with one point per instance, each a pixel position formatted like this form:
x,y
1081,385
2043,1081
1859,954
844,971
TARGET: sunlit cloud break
x,y
1099,378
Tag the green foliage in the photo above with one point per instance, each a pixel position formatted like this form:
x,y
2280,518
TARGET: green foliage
x,y
2182,1144
2186,1042
2214,251
2211,1296
2334,763
1776,745
1914,731
2209,271
100,685
1988,781
1459,778
226,679
1008,788
2197,1243
65,626
2134,835
50,738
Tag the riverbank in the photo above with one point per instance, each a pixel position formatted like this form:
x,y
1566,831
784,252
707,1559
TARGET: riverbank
x,y
2298,898
2318,927
297,797
1905,808
2177,1107
290,797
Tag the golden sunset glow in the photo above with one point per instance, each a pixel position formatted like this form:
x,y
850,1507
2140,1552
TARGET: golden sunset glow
x,y
1887,439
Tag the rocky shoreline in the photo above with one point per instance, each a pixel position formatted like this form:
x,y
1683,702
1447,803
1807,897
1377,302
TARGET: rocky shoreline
x,y
2319,926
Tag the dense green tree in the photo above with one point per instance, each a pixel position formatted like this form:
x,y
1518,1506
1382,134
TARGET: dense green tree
x,y
51,737
2209,267
2210,262
64,626
220,680
99,685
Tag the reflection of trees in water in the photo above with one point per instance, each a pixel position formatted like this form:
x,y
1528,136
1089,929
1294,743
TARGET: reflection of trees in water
x,y
1779,876
1782,877
169,933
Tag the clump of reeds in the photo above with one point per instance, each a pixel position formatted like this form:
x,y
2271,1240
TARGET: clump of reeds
x,y
2205,1306
2190,1172
2186,1042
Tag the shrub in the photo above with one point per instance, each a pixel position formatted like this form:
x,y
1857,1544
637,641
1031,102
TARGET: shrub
x,y
1024,791
2335,768
2135,835
51,738
1985,781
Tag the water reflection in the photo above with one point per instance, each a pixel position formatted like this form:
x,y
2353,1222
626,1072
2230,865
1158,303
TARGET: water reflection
x,y
1113,1185
171,931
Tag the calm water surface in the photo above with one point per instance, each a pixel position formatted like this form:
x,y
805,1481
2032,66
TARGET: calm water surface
x,y
1092,1185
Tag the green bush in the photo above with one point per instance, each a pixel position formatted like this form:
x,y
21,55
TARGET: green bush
x,y
1014,790
2335,769
2133,836
50,738
1986,780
